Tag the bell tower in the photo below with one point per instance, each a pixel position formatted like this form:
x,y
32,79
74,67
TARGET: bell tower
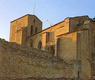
x,y
22,29
35,25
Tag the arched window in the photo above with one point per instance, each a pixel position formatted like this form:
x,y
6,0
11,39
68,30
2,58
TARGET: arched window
x,y
40,45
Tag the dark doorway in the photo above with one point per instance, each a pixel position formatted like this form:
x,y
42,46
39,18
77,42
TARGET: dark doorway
x,y
52,50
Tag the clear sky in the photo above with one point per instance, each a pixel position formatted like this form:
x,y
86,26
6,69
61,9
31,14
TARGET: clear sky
x,y
53,10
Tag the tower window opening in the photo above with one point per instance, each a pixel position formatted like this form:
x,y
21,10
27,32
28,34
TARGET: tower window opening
x,y
31,29
36,30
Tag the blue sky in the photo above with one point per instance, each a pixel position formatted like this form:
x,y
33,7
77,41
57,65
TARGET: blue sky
x,y
53,10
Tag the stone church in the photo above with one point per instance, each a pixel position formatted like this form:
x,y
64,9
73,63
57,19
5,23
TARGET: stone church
x,y
72,40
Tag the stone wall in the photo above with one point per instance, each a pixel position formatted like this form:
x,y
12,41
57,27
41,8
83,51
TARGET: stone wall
x,y
83,55
67,46
32,78
18,61
86,51
77,22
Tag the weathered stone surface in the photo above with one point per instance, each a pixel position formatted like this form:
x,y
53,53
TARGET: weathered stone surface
x,y
32,78
17,61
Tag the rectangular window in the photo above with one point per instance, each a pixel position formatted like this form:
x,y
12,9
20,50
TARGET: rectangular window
x,y
49,36
52,36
